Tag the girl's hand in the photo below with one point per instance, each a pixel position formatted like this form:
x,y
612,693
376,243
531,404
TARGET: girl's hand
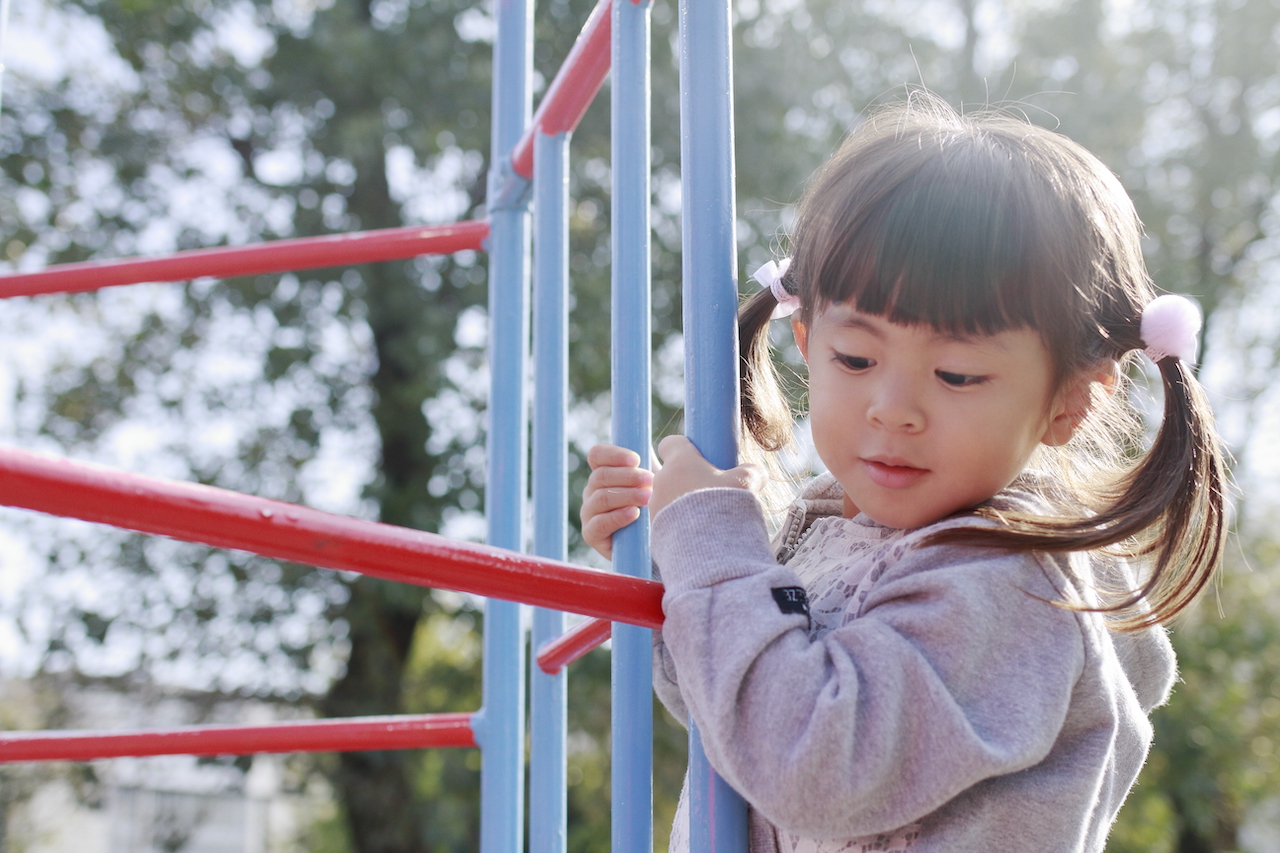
x,y
684,470
615,491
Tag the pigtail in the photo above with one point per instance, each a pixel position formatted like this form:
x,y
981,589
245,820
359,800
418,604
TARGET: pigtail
x,y
1193,532
766,414
1177,492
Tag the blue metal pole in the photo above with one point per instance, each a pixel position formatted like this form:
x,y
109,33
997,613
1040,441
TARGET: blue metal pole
x,y
718,816
632,702
548,813
500,731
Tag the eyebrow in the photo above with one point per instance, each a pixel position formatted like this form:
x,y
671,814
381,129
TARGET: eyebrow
x,y
859,322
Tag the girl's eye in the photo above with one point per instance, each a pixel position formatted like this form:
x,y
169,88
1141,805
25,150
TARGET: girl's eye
x,y
959,380
854,362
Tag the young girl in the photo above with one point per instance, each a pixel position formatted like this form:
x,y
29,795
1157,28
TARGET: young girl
x,y
953,642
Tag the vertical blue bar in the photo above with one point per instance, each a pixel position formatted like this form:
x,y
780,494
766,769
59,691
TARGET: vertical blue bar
x,y
718,816
632,702
501,728
547,804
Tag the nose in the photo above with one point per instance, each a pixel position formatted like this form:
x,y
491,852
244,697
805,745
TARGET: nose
x,y
895,406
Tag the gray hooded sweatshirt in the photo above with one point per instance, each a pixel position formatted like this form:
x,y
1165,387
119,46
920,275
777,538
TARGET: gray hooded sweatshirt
x,y
953,706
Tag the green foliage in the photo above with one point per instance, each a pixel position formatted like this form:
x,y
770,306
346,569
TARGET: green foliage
x,y
327,834
1215,761
280,385
443,675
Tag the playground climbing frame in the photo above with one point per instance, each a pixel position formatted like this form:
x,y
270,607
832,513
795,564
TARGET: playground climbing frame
x,y
528,314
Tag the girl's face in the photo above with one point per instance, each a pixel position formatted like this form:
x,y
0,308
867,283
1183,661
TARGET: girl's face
x,y
917,424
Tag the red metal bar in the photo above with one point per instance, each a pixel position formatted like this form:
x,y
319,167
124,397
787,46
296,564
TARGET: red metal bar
x,y
574,87
302,253
336,735
226,519
555,655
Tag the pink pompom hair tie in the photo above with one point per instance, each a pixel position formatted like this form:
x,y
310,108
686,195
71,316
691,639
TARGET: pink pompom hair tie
x,y
770,275
1171,328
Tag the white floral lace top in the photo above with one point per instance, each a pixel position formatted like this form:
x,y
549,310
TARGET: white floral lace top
x,y
829,561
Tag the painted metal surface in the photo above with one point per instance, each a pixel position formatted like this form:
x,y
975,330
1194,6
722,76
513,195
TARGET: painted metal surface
x,y
501,727
573,89
296,533
558,653
718,816
226,519
548,809
271,257
333,735
632,702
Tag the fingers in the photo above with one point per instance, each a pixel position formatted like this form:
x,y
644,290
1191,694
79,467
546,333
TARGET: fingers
x,y
678,449
606,510
686,470
598,531
615,491
597,499
607,478
674,446
612,456
618,487
609,488
749,477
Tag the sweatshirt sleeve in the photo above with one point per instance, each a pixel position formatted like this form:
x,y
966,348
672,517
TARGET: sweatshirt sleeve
x,y
665,681
954,668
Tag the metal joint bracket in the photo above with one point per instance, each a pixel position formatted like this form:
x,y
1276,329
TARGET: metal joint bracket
x,y
508,190
479,727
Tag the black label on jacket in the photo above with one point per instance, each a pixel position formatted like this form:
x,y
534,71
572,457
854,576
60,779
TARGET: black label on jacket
x,y
791,599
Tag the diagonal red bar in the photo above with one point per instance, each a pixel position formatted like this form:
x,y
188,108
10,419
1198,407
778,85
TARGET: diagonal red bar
x,y
334,735
574,87
227,519
302,253
555,655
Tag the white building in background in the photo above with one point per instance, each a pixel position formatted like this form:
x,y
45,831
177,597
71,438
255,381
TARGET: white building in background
x,y
145,820
165,804
135,819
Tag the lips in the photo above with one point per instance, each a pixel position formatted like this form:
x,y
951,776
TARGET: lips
x,y
892,473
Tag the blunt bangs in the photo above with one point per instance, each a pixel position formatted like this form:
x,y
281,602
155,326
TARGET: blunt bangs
x,y
959,243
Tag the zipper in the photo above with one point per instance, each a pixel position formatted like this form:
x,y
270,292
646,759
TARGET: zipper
x,y
790,551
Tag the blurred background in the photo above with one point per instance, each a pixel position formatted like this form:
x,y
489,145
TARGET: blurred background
x,y
147,126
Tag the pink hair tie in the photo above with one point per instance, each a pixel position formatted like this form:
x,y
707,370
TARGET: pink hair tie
x,y
1171,328
770,275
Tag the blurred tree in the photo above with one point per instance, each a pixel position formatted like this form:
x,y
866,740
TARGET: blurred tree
x,y
341,117
207,121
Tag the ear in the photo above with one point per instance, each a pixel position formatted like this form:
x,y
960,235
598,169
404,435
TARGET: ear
x,y
1074,402
801,333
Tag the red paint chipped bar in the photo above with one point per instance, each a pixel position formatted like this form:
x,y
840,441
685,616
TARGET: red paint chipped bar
x,y
555,655
227,519
334,735
274,256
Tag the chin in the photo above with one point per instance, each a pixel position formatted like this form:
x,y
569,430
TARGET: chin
x,y
904,518
899,520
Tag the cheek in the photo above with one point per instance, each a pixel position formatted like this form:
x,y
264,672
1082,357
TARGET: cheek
x,y
833,418
998,432
832,399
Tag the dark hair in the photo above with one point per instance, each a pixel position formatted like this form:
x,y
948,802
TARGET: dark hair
x,y
983,224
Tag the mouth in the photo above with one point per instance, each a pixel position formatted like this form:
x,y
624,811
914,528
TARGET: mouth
x,y
892,473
